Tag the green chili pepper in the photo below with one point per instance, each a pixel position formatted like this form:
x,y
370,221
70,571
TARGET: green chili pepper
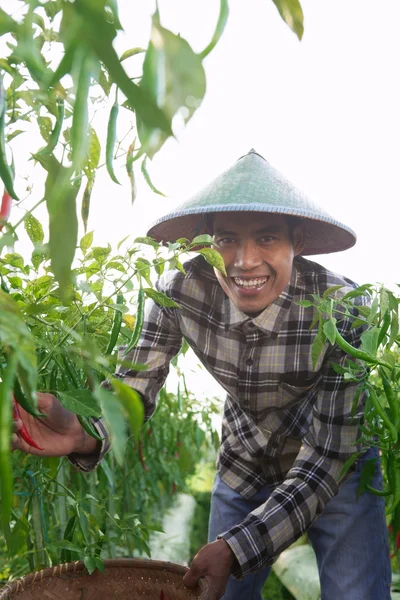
x,y
116,328
391,398
138,323
6,173
382,414
393,475
378,492
23,400
55,134
88,427
129,170
68,535
356,353
111,137
384,328
80,118
6,481
86,202
72,372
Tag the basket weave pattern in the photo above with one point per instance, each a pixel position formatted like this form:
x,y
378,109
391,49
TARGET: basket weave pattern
x,y
124,579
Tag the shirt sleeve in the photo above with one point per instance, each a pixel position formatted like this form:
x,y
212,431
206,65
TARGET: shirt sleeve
x,y
88,462
159,342
315,476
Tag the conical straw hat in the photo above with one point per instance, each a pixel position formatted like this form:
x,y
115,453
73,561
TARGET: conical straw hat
x,y
252,184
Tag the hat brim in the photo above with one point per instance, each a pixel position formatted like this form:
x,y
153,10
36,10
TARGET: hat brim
x,y
320,236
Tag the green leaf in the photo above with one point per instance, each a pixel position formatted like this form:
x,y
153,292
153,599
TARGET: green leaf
x,y
86,242
349,462
318,345
369,340
34,229
221,23
7,24
205,238
367,474
143,267
213,258
14,134
330,330
331,290
15,282
93,156
305,303
100,34
292,13
173,76
90,564
131,52
147,240
80,402
113,416
131,403
161,298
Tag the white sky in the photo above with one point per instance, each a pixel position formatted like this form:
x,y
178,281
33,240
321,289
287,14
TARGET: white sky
x,y
324,111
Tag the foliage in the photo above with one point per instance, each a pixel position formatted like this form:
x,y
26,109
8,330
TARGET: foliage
x,y
68,349
375,368
60,514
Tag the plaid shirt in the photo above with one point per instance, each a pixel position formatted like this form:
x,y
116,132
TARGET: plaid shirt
x,y
285,423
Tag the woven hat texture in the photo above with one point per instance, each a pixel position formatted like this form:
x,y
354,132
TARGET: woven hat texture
x,y
252,184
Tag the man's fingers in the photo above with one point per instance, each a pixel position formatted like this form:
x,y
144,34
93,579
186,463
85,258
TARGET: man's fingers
x,y
191,578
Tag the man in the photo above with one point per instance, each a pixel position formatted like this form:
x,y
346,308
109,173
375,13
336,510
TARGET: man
x,y
287,428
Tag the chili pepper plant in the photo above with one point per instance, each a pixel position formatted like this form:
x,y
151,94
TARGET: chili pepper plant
x,y
375,368
50,511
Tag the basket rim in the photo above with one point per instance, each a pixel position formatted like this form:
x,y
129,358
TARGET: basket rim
x,y
79,567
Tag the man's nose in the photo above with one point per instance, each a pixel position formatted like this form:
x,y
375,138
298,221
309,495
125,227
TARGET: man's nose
x,y
248,256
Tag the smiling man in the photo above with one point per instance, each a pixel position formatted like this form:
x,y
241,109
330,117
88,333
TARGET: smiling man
x,y
287,426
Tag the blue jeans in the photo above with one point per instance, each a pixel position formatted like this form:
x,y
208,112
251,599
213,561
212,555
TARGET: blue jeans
x,y
349,538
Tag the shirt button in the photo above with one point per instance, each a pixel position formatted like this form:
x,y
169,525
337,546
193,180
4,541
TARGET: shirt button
x,y
249,362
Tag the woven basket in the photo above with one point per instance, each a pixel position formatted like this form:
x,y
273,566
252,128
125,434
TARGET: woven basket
x,y
124,579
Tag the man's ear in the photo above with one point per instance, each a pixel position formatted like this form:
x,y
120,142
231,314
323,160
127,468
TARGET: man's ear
x,y
298,239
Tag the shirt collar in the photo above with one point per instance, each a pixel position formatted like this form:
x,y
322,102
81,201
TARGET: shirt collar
x,y
272,317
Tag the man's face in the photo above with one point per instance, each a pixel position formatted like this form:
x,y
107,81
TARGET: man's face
x,y
258,254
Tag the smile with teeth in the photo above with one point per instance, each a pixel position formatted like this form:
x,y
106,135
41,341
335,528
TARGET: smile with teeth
x,y
250,284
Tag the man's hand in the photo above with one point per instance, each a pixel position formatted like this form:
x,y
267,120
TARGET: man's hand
x,y
213,562
59,433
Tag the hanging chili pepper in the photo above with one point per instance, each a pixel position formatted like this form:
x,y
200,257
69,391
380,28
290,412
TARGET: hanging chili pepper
x,y
88,427
86,203
391,397
356,353
6,173
55,134
382,414
5,209
111,137
23,432
116,328
138,323
129,170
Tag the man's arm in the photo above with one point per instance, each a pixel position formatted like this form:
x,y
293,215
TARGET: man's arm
x,y
313,480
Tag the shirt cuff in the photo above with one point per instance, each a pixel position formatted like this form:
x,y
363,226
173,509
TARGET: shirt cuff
x,y
88,462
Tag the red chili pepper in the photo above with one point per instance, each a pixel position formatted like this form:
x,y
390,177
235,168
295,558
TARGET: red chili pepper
x,y
163,596
398,541
5,209
23,432
143,462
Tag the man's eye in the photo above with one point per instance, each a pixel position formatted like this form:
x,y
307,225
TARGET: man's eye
x,y
267,238
225,241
